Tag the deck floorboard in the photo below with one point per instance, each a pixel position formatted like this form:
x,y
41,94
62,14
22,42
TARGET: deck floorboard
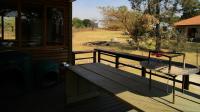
x,y
134,89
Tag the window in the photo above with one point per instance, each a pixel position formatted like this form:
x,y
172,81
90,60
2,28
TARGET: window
x,y
35,30
55,26
31,24
8,26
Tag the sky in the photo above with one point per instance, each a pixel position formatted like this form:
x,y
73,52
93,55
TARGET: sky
x,y
88,9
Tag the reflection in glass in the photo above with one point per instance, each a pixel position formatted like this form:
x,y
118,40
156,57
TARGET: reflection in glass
x,y
31,23
9,20
55,26
8,26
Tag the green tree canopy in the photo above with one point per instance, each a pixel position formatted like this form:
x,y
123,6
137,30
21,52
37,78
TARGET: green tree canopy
x,y
87,22
77,23
190,8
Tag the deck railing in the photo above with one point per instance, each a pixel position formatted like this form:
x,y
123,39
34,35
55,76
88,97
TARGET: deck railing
x,y
74,53
97,56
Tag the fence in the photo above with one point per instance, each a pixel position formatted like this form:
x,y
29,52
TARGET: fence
x,y
98,57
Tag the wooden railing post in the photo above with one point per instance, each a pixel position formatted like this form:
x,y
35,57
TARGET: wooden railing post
x,y
99,56
116,62
185,82
143,72
94,56
73,58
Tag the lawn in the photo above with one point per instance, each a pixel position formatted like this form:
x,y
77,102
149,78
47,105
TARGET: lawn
x,y
82,37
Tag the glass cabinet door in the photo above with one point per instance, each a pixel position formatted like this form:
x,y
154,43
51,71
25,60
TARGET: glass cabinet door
x,y
55,26
32,26
8,17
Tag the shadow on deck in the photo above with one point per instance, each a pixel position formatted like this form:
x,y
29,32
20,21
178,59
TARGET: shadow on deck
x,y
102,103
52,99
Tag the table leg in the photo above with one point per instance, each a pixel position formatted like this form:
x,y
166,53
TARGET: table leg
x,y
173,89
150,80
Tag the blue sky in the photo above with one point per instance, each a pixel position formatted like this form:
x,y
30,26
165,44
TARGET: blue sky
x,y
88,9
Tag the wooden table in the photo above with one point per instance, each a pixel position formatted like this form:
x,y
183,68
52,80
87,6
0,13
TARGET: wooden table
x,y
172,71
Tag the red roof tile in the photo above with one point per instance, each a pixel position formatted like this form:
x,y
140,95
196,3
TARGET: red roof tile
x,y
191,21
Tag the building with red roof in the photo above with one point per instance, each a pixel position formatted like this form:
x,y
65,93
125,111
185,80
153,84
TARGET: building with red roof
x,y
190,27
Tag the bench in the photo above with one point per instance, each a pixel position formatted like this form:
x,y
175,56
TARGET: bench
x,y
85,81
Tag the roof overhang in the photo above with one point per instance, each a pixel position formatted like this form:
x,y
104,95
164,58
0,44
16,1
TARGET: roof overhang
x,y
194,21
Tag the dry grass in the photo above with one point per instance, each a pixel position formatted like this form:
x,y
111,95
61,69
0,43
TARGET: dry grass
x,y
89,36
81,37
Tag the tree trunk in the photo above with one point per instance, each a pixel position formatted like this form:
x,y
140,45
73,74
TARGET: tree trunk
x,y
158,37
136,38
137,43
149,7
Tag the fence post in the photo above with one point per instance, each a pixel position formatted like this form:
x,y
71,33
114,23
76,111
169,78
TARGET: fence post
x,y
99,56
94,56
143,72
185,82
116,62
73,59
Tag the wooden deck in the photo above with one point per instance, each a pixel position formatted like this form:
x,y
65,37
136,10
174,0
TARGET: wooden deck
x,y
135,98
52,99
103,103
134,89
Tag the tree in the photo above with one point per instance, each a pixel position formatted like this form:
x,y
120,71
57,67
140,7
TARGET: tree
x,y
77,23
114,18
131,21
163,10
94,24
190,8
119,18
166,11
87,23
144,25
